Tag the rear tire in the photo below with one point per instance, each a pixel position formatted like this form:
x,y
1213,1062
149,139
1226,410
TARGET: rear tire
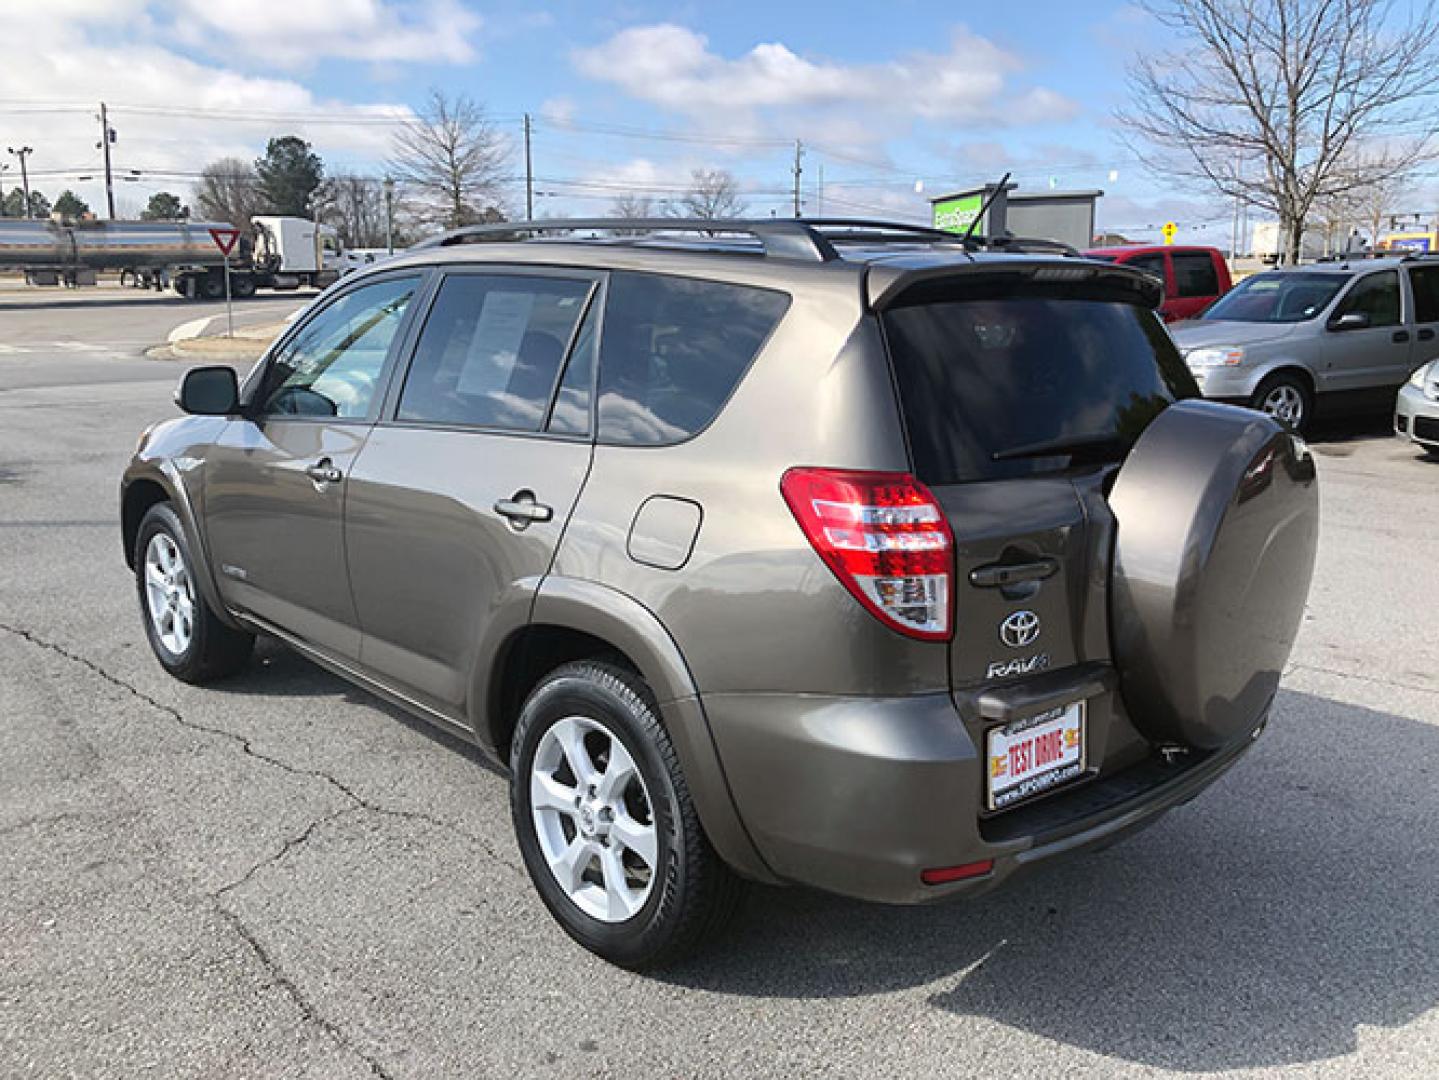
x,y
242,286
212,286
605,821
184,633
1287,398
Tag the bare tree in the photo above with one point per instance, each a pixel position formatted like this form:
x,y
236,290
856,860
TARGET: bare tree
x,y
355,205
229,190
453,162
631,206
1271,101
1382,200
713,193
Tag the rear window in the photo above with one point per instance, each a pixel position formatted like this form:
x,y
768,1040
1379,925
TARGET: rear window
x,y
982,380
673,350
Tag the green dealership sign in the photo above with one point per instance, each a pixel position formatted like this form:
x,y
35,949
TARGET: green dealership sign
x,y
957,215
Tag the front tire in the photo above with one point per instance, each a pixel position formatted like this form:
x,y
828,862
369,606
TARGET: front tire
x,y
605,821
185,635
1287,398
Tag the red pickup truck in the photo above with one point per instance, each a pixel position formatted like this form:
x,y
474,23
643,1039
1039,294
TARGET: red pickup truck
x,y
1194,277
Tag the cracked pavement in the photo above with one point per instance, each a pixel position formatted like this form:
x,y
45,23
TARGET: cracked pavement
x,y
285,877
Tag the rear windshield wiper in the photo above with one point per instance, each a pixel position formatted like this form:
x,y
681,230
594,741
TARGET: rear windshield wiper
x,y
1094,447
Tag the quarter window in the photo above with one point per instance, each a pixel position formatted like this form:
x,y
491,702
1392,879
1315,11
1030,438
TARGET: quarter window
x,y
1376,296
331,367
491,351
673,351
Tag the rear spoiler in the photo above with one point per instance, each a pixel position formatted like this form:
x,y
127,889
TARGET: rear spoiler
x,y
889,284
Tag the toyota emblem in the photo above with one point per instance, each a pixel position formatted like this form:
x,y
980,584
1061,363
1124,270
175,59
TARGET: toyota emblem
x,y
1020,629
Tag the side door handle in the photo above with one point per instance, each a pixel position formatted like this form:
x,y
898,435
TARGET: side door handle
x,y
521,508
1426,334
1401,336
324,472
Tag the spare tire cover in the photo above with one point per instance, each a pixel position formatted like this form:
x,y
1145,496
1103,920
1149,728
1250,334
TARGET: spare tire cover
x,y
1217,512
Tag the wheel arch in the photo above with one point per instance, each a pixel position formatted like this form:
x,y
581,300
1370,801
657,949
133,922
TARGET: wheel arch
x,y
1287,367
572,619
160,482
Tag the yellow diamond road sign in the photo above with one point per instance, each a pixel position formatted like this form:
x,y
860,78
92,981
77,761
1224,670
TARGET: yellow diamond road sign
x,y
1169,230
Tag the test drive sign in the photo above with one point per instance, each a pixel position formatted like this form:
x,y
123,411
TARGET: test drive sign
x,y
225,239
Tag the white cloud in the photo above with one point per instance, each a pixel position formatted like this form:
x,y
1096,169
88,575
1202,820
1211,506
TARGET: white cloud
x,y
78,51
674,67
291,34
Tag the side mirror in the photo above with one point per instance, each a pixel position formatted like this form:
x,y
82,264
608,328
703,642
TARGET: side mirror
x,y
209,391
1352,320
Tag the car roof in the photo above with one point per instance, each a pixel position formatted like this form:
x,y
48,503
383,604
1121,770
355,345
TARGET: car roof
x,y
1149,249
778,253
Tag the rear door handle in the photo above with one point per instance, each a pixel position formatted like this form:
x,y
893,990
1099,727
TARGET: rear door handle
x,y
522,509
997,575
323,472
1401,336
1426,334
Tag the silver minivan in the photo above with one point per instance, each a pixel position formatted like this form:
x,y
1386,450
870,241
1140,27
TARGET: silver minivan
x,y
1303,340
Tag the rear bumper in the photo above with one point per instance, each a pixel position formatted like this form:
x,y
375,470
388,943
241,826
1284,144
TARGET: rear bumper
x,y
1416,417
858,796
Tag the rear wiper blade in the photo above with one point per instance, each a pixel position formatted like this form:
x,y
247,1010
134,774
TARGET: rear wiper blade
x,y
1074,445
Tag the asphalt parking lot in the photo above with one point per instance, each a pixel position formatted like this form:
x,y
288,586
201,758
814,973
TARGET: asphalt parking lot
x,y
285,877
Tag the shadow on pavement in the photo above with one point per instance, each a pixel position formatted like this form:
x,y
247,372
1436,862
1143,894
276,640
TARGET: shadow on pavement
x,y
1259,926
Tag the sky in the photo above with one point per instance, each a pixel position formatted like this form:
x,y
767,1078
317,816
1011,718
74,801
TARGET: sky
x,y
891,103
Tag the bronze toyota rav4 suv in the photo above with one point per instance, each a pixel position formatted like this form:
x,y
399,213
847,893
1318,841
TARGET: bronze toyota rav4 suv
x,y
838,553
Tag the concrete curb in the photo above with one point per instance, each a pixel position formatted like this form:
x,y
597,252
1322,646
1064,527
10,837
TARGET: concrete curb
x,y
187,342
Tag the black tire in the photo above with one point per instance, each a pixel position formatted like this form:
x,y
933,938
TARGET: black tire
x,y
213,650
1286,397
242,286
692,893
212,286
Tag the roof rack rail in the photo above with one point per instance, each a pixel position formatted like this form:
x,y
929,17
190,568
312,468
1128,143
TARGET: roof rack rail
x,y
778,237
806,239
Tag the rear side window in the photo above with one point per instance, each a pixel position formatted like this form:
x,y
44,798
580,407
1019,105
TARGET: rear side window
x,y
491,350
1425,282
672,352
1194,274
985,377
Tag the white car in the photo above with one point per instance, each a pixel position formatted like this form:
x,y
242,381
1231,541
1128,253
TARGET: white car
x,y
1416,412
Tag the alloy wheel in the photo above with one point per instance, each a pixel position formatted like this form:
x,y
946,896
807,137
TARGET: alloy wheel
x,y
169,594
1286,403
594,819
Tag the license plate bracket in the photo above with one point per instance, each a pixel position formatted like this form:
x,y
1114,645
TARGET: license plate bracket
x,y
1031,756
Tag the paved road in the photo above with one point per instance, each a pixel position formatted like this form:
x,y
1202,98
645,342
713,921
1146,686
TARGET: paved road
x,y
284,877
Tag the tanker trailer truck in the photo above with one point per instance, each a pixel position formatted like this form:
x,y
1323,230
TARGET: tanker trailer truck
x,y
279,253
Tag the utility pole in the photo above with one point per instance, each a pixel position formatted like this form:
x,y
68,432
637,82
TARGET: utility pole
x,y
798,153
107,136
389,215
529,175
22,153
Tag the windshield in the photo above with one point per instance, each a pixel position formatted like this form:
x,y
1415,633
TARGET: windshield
x,y
989,385
1277,297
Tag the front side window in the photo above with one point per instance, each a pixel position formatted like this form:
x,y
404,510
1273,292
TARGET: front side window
x,y
1376,296
673,351
1152,263
331,367
491,350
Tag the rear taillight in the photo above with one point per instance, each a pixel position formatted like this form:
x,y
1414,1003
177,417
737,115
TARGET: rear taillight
x,y
886,539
